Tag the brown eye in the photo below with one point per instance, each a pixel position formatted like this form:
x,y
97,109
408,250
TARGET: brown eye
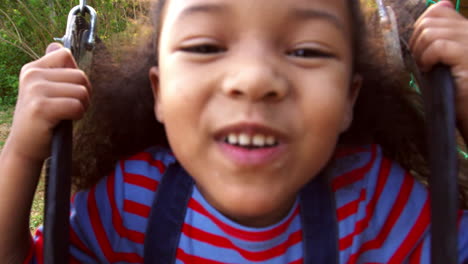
x,y
204,49
309,53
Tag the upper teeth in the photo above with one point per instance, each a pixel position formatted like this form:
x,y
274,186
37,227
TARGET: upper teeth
x,y
256,140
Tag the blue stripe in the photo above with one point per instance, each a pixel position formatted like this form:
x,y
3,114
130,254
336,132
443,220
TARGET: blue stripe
x,y
404,224
81,224
463,238
142,168
224,255
426,250
138,195
204,223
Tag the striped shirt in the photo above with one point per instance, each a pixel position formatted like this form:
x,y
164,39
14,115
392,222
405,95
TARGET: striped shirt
x,y
383,217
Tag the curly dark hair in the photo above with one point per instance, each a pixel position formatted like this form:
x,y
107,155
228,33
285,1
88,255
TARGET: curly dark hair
x,y
121,118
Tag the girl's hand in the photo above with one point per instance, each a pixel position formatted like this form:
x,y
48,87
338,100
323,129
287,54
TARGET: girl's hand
x,y
51,89
441,36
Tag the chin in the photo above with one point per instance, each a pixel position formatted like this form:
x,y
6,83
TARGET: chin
x,y
254,210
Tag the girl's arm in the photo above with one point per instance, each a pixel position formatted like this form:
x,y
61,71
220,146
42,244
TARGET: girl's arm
x,y
441,36
51,89
18,179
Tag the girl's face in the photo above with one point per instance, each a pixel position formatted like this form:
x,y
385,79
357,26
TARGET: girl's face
x,y
254,95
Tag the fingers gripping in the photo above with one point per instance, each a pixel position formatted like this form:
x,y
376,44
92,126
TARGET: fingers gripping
x,y
440,36
51,89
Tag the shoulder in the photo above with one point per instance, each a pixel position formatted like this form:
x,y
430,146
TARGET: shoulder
x,y
117,208
136,180
144,169
381,208
367,168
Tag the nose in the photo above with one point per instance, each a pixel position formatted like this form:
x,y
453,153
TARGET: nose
x,y
255,79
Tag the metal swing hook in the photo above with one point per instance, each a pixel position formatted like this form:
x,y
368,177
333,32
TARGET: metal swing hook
x,y
80,39
82,6
80,34
67,39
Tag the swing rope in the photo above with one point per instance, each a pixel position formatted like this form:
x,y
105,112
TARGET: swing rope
x,y
439,98
438,92
80,39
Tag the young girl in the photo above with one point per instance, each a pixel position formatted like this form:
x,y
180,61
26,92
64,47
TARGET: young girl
x,y
255,98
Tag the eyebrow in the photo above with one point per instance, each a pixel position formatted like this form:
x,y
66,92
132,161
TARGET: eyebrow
x,y
295,13
203,8
312,14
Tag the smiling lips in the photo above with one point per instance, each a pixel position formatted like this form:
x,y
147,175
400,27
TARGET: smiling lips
x,y
251,145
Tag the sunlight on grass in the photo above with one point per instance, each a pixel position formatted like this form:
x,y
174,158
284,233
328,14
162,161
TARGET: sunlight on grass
x,y
37,209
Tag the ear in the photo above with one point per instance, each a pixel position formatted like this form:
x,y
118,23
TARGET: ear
x,y
353,94
154,79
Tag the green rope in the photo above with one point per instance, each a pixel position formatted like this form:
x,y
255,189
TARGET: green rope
x,y
430,2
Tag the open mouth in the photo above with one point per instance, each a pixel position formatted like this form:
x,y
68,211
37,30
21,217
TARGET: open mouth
x,y
251,145
248,141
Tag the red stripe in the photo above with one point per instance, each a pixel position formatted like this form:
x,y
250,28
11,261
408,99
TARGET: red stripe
x,y
136,208
394,215
354,175
415,235
190,259
141,181
75,240
98,229
73,260
361,225
415,257
222,242
147,157
39,247
351,207
242,234
117,222
101,236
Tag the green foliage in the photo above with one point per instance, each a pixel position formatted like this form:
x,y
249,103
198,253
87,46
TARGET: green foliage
x,y
28,26
6,117
10,63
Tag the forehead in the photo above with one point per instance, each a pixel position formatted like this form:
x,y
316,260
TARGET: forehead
x,y
335,12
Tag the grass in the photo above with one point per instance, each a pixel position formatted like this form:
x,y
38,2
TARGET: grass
x,y
6,116
36,218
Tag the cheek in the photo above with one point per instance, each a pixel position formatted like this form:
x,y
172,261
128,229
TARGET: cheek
x,y
180,97
326,97
183,103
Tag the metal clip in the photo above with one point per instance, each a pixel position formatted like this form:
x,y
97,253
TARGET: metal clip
x,y
68,39
82,6
80,35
